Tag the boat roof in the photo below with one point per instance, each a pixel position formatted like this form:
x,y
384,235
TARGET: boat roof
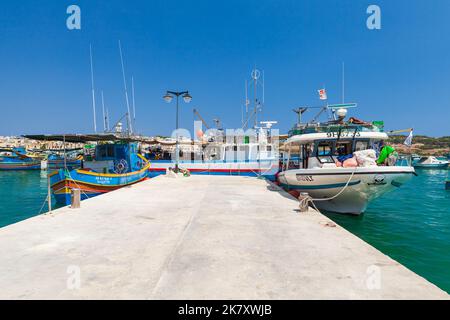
x,y
85,138
16,152
310,137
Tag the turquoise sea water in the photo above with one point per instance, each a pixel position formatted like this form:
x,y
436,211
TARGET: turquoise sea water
x,y
22,195
410,224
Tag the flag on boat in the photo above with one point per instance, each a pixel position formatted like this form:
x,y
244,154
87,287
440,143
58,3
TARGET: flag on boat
x,y
322,94
408,140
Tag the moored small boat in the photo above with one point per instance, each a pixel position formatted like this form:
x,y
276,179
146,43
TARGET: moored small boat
x,y
240,159
116,165
335,163
431,163
17,159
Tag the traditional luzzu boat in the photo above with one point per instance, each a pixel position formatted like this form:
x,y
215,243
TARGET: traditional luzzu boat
x,y
431,163
114,163
311,165
17,159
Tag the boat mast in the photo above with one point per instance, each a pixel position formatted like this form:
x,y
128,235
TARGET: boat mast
x,y
133,101
107,119
343,82
105,127
129,126
93,90
257,107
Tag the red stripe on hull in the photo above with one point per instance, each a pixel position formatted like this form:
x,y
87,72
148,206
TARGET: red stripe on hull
x,y
87,187
212,170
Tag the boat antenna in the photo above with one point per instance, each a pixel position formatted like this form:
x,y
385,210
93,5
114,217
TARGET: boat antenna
x,y
93,90
299,111
133,101
255,76
258,103
107,120
104,114
129,126
263,85
343,82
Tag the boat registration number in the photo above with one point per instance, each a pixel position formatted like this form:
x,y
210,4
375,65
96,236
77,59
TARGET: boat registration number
x,y
304,178
344,134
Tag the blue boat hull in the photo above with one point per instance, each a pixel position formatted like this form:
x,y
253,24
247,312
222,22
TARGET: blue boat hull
x,y
90,183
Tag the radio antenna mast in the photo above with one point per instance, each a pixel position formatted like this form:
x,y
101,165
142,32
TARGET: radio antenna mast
x,y
343,82
104,114
132,99
258,103
130,128
93,90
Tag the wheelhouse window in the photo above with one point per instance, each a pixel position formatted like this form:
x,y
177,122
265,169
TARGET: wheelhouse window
x,y
324,148
106,151
343,148
361,145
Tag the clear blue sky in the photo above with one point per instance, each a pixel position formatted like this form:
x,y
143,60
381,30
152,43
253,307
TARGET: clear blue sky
x,y
399,74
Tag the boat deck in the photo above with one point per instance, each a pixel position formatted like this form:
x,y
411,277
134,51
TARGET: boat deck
x,y
201,237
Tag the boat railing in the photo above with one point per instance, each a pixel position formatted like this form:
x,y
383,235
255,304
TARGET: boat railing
x,y
326,128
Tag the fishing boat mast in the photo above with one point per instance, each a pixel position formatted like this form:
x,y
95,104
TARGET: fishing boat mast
x,y
93,88
258,103
129,125
133,101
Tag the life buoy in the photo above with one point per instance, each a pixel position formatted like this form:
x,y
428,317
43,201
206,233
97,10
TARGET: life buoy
x,y
121,166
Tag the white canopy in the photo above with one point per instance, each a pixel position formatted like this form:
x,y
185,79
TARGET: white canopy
x,y
310,137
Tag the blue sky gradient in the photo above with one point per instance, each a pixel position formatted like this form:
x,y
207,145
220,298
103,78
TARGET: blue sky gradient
x,y
399,74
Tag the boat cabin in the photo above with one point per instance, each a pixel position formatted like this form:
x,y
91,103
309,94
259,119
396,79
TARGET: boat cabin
x,y
115,158
219,152
321,149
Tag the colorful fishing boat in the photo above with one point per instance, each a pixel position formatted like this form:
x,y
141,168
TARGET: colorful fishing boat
x,y
116,165
17,159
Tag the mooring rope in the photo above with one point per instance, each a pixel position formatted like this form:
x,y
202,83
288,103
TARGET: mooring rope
x,y
304,201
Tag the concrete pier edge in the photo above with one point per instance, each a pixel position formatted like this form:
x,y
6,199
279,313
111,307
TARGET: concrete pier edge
x,y
201,237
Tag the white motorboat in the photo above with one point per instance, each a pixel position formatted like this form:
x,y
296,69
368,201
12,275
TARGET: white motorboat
x,y
431,163
311,164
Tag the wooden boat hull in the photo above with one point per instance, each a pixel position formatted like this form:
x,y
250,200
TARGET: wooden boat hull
x,y
90,183
20,165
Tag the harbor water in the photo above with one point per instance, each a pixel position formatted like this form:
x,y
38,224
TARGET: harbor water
x,y
22,195
410,224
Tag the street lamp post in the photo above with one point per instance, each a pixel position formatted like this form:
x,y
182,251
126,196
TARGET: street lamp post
x,y
187,98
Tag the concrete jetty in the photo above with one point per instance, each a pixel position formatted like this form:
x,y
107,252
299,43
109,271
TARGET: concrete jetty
x,y
201,237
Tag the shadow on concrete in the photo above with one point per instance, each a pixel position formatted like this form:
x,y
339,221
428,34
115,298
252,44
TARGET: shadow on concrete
x,y
274,188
